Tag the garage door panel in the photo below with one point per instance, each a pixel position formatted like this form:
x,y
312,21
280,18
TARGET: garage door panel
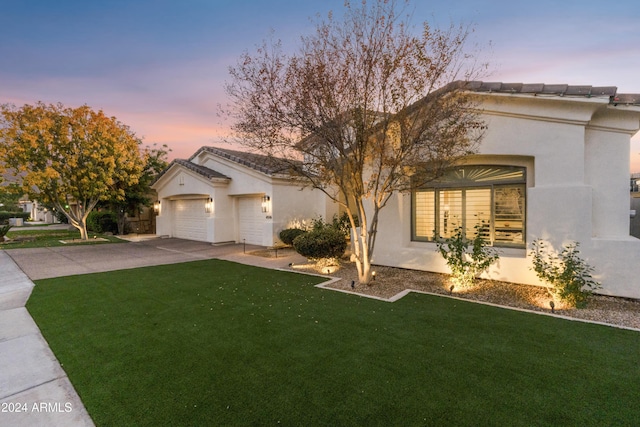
x,y
250,220
190,219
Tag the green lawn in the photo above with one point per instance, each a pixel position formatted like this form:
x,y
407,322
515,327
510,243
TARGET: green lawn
x,y
43,237
218,343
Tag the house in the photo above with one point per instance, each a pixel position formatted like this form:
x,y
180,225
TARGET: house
x,y
221,195
553,165
634,228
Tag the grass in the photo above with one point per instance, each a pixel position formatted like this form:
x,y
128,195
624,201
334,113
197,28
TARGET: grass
x,y
48,238
217,343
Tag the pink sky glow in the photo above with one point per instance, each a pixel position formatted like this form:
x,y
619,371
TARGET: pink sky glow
x,y
160,67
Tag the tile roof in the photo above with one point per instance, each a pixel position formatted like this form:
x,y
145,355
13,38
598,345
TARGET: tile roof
x,y
201,170
556,89
259,162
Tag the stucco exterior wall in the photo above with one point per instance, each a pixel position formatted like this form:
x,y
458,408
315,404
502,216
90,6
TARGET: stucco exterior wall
x,y
295,206
576,151
224,214
180,182
289,203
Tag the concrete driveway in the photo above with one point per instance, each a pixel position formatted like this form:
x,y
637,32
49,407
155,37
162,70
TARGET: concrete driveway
x,y
44,263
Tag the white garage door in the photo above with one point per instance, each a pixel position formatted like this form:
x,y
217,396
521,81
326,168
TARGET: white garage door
x,y
250,219
190,219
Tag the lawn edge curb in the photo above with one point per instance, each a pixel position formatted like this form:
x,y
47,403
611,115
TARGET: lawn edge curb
x,y
400,295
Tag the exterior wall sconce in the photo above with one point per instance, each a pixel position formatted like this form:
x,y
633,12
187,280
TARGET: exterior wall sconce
x,y
208,206
156,207
265,204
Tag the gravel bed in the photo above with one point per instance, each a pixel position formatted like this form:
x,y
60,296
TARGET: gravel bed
x,y
391,281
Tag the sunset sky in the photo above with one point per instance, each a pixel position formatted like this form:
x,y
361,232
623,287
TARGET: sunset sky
x,y
159,66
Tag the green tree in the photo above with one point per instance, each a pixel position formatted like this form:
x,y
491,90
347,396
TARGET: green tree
x,y
137,195
71,158
10,194
365,108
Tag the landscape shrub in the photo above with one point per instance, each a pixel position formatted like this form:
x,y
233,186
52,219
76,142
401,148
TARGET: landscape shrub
x,y
568,274
61,217
339,222
289,234
102,222
466,265
321,242
343,224
4,216
319,223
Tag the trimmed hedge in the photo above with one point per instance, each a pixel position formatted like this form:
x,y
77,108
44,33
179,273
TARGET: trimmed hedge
x,y
4,216
326,242
102,222
288,235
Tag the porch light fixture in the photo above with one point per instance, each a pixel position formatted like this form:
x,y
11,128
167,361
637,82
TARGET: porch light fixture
x,y
208,206
156,207
265,204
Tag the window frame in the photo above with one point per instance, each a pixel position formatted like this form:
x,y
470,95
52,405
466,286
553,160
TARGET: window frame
x,y
446,183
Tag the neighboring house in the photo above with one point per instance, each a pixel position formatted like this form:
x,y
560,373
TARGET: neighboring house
x,y
220,195
634,182
39,213
553,165
635,205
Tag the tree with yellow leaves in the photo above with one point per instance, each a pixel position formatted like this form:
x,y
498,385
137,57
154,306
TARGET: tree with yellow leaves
x,y
70,158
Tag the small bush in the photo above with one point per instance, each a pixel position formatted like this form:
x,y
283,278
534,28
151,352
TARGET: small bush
x,y
288,235
568,274
466,265
343,224
62,218
325,242
319,223
4,216
102,222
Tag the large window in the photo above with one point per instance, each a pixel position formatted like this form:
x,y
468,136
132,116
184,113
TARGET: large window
x,y
488,199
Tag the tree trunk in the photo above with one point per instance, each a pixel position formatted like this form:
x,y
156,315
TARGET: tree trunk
x,y
121,215
362,256
77,217
80,225
83,231
362,252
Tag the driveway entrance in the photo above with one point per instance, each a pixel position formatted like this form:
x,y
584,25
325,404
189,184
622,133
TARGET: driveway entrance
x,y
44,263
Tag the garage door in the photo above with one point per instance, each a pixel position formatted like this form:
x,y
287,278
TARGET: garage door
x,y
190,219
250,219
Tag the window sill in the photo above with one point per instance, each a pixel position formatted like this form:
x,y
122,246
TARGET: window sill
x,y
506,251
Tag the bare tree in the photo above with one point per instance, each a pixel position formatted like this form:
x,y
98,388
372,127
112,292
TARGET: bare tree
x,y
367,107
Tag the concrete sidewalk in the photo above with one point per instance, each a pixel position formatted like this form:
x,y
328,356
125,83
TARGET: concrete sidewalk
x,y
34,388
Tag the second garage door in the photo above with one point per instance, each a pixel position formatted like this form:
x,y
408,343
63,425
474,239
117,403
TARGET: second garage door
x,y
190,219
250,219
